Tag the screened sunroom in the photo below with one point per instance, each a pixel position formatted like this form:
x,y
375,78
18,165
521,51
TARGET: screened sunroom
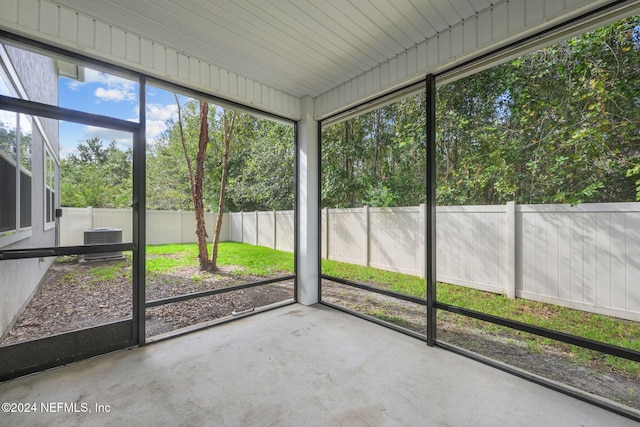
x,y
320,212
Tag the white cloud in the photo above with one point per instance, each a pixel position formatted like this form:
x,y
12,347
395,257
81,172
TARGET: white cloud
x,y
157,117
120,94
66,152
110,87
162,112
108,135
154,129
8,120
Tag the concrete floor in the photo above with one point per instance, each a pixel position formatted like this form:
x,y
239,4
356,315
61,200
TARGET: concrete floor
x,y
293,366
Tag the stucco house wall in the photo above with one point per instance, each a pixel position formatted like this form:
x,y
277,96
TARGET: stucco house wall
x,y
37,80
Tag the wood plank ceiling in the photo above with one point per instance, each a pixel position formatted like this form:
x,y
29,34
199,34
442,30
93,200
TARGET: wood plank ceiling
x,y
302,47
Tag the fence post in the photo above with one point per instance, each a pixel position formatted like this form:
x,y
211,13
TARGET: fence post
x,y
422,242
510,252
275,231
256,229
325,226
367,232
90,210
214,220
180,226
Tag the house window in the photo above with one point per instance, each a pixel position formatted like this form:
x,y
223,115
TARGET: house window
x,y
50,190
16,154
9,186
15,172
24,155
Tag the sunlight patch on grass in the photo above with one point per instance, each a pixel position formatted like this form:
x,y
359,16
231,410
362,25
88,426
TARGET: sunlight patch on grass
x,y
397,282
252,260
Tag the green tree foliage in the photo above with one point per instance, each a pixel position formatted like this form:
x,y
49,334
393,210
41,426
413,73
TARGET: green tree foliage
x,y
8,143
376,159
264,175
220,158
261,164
97,176
559,125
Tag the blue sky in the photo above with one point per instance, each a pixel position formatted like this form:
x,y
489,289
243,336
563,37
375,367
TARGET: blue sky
x,y
109,95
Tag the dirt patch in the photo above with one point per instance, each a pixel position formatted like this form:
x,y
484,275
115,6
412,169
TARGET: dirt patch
x,y
515,350
76,295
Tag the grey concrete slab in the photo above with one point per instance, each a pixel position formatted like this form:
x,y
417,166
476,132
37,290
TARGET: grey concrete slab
x,y
293,366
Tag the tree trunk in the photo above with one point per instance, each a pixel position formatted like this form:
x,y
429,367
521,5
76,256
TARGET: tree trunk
x,y
196,178
197,194
227,134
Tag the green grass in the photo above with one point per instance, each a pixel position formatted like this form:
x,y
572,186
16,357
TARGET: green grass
x,y
100,272
110,272
253,260
161,259
397,282
261,261
592,326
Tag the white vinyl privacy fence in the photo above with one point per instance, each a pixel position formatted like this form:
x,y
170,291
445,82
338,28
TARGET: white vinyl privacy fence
x,y
585,256
162,226
272,229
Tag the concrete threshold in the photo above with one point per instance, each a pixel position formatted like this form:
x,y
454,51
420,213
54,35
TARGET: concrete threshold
x,y
291,366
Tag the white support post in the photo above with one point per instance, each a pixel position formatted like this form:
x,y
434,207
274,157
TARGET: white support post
x,y
308,208
510,250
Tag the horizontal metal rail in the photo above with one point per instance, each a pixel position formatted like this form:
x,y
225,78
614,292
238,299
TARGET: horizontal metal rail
x,y
376,290
422,337
64,250
205,325
58,113
544,332
43,353
186,297
610,349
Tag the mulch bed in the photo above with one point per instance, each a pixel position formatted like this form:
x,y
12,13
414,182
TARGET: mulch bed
x,y
70,297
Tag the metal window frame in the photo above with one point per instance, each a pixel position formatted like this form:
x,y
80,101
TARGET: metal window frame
x,y
432,305
49,161
141,297
210,292
19,169
138,245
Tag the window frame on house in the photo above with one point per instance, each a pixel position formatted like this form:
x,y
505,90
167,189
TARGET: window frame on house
x,y
22,217
50,192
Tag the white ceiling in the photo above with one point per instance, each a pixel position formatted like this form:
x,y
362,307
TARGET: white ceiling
x,y
302,47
